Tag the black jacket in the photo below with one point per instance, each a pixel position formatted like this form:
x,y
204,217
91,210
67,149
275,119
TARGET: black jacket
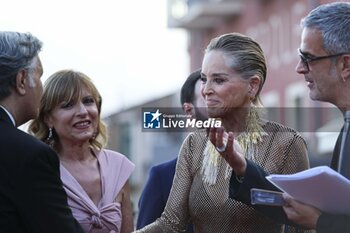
x,y
255,178
32,199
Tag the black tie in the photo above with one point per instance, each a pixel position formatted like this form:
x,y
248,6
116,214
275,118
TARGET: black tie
x,y
344,158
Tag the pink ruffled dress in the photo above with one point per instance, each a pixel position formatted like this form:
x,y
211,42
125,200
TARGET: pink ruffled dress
x,y
115,170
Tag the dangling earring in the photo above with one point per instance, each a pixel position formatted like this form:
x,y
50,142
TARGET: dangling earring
x,y
49,140
254,130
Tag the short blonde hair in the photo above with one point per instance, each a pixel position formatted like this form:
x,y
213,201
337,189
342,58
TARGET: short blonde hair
x,y
66,85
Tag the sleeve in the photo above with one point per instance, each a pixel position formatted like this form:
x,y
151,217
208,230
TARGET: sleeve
x,y
126,169
255,178
42,201
151,205
333,223
294,159
176,214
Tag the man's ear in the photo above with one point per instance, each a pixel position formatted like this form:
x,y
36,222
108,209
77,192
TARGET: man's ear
x,y
254,85
345,72
188,109
21,82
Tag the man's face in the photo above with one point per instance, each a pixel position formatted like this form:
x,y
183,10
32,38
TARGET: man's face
x,y
34,90
321,75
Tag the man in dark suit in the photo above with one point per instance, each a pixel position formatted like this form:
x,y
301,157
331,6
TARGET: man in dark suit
x,y
32,199
325,64
157,188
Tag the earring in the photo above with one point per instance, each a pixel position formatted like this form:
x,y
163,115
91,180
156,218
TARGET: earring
x,y
251,98
49,139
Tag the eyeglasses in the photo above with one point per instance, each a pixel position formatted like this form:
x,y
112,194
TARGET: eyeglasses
x,y
306,59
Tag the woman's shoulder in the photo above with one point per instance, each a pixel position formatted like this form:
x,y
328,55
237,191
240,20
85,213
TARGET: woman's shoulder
x,y
111,153
111,156
282,132
271,126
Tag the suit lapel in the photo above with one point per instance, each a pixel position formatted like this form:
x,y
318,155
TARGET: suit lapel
x,y
336,151
4,116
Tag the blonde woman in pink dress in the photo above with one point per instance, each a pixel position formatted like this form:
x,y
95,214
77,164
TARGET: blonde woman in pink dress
x,y
95,179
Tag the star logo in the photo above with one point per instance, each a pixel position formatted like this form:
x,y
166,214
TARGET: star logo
x,y
156,115
151,119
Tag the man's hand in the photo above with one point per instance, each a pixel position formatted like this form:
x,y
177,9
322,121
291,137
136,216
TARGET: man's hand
x,y
300,213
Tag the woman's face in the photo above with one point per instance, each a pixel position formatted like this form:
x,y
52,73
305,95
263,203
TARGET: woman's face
x,y
75,122
223,89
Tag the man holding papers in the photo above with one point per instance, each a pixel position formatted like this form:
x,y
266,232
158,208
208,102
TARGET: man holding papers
x,y
325,63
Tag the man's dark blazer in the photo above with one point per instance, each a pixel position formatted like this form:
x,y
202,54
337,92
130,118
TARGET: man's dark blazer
x,y
255,178
32,199
155,194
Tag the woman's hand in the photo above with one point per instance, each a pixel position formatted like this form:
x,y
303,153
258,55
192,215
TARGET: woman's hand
x,y
230,151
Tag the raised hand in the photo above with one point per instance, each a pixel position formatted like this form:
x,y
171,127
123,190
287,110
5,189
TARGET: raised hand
x,y
229,149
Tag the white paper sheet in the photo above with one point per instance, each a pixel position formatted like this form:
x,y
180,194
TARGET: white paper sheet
x,y
321,187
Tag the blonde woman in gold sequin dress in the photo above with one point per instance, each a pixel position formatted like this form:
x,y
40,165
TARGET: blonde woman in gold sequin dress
x,y
233,74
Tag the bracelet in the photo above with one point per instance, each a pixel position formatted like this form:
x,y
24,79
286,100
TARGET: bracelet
x,y
240,179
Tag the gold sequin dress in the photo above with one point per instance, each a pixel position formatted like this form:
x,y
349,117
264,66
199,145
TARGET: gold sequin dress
x,y
209,207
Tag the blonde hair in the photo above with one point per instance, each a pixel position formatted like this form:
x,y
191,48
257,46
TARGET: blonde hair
x,y
246,55
66,85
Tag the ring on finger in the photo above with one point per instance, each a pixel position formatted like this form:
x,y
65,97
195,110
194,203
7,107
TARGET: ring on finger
x,y
221,149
